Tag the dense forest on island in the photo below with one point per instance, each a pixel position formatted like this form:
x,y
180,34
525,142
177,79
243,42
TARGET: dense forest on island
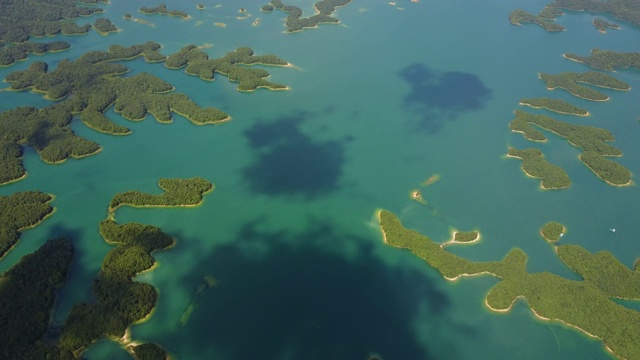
x,y
162,10
295,21
583,304
20,211
535,165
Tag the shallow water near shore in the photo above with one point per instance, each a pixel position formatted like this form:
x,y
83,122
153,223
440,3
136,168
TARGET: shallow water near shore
x,y
377,104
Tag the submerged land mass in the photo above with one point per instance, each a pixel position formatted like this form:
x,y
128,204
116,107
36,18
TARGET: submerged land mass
x,y
535,165
21,211
518,17
584,305
569,81
162,10
121,301
608,60
555,105
592,140
295,21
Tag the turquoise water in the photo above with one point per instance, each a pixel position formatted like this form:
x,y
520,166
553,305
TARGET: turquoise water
x,y
289,232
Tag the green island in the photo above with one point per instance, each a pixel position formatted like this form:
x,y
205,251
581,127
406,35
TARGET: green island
x,y
626,10
27,295
19,20
177,193
555,105
148,351
602,25
162,10
463,237
535,165
295,21
552,231
518,17
16,52
104,26
550,13
200,6
591,140
584,305
121,301
95,84
569,81
197,63
608,60
21,211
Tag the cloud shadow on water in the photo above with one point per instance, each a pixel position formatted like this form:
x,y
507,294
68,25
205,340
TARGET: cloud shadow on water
x,y
437,97
290,162
287,296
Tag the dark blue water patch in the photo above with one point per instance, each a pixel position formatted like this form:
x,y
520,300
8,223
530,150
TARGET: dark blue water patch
x,y
436,97
290,162
282,293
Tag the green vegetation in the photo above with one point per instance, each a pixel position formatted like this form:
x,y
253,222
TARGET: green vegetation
x,y
295,22
466,236
609,171
569,81
534,164
608,60
104,26
602,25
21,211
162,9
626,10
12,53
518,17
19,20
590,139
177,192
550,13
585,305
552,231
149,351
27,295
556,105
120,300
197,63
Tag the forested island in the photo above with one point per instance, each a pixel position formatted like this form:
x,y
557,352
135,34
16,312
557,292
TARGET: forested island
x,y
555,105
177,193
121,301
590,139
602,25
104,26
295,21
20,21
552,231
27,295
162,10
585,305
16,52
197,63
608,60
535,165
21,211
626,10
96,84
518,17
569,81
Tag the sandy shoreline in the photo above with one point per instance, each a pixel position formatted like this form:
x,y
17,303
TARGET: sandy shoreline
x,y
453,240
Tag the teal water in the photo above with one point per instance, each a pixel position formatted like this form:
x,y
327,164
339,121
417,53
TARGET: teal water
x,y
289,232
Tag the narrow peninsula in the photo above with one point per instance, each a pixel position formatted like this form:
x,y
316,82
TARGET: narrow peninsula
x,y
569,81
608,60
585,305
518,17
555,105
162,10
